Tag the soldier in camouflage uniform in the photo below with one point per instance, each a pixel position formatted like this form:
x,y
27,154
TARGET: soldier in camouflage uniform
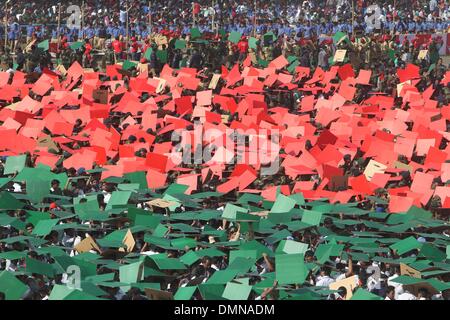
x,y
3,60
267,53
65,58
33,59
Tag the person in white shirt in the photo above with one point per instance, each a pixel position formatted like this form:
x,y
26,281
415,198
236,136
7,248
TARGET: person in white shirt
x,y
345,272
433,5
390,293
340,277
373,282
71,240
324,279
107,196
406,296
17,187
341,294
11,266
149,253
123,15
398,287
423,294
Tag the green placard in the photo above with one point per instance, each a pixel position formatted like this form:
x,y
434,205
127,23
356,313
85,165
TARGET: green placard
x,y
12,287
290,268
44,45
148,54
180,44
76,45
253,43
162,55
15,164
127,65
235,37
195,33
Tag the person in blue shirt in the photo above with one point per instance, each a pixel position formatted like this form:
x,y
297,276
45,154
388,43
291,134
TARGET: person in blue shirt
x,y
241,28
55,33
249,30
330,26
260,29
335,28
431,26
109,30
115,32
145,32
71,34
347,27
30,31
203,28
146,9
138,29
13,34
81,33
316,29
96,36
17,31
281,30
67,33
89,32
275,26
411,26
323,29
38,31
45,30
288,30
186,29
418,27
122,30
399,26
37,69
102,34
389,26
368,28
307,30
298,29
63,30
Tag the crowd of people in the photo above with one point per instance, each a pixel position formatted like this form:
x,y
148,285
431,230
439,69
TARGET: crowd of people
x,y
307,19
101,27
140,226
